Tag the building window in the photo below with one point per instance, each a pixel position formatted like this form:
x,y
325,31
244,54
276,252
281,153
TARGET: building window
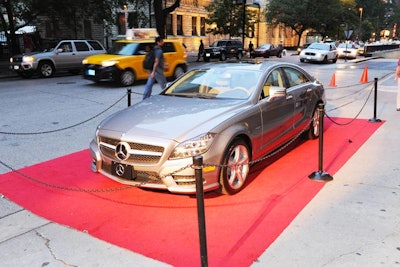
x,y
202,26
194,26
179,25
169,25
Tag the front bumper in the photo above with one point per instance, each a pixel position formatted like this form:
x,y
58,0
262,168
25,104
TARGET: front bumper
x,y
22,67
99,73
176,176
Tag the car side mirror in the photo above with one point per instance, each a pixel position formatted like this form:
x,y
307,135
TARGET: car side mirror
x,y
276,92
59,50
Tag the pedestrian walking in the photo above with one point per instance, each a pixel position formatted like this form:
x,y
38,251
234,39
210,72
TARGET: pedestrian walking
x,y
201,51
397,78
251,48
157,72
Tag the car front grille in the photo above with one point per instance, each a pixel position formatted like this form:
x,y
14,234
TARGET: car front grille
x,y
310,54
141,176
17,59
108,145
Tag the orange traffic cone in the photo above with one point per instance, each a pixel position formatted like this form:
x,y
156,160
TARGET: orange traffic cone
x,y
364,77
333,81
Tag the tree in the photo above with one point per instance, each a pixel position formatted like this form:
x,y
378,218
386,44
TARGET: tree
x,y
227,16
305,15
162,14
25,12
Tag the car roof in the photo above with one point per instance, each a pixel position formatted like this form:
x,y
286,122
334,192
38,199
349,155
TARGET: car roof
x,y
256,65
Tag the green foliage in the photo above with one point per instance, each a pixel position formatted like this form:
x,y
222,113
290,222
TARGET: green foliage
x,y
226,17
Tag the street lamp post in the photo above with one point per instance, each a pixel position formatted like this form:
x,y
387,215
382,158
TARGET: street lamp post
x,y
359,28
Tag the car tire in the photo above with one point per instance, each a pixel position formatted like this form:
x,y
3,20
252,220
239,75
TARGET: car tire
x,y
334,60
301,59
232,179
239,56
46,69
222,57
206,59
313,131
127,78
179,71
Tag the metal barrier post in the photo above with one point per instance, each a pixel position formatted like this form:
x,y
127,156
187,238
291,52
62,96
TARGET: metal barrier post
x,y
129,97
320,175
374,119
198,165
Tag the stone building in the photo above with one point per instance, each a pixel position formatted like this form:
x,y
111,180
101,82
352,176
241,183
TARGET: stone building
x,y
187,24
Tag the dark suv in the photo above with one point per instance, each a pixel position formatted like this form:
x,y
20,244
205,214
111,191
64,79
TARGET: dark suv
x,y
223,49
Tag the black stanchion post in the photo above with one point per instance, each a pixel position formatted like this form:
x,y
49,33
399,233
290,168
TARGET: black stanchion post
x,y
198,165
374,119
320,175
129,97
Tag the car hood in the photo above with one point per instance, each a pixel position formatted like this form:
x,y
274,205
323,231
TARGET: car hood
x,y
173,118
98,59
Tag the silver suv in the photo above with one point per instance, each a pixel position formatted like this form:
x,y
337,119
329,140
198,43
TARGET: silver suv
x,y
66,55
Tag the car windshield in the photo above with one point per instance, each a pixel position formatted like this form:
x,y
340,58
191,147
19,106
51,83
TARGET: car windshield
x,y
266,46
125,49
232,83
319,46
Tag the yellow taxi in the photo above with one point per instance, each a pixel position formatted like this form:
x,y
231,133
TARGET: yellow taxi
x,y
125,63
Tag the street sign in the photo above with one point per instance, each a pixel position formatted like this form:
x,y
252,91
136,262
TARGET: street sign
x,y
348,33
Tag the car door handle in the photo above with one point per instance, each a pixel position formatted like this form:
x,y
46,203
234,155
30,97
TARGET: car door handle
x,y
288,97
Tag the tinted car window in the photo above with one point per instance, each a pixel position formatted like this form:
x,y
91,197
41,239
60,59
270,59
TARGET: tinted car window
x,y
81,46
96,45
295,77
168,47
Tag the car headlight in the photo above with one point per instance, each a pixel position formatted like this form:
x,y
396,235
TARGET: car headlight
x,y
109,63
85,61
193,147
28,59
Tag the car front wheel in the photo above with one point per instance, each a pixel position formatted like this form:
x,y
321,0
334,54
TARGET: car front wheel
x,y
235,168
222,57
46,69
127,78
313,131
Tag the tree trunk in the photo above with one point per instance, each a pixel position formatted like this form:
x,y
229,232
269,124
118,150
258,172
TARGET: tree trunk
x,y
162,14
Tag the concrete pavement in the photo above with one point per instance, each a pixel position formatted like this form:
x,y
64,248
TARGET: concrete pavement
x,y
353,221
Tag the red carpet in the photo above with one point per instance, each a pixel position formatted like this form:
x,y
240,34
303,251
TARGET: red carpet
x,y
164,226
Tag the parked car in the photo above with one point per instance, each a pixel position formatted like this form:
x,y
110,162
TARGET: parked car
x,y
223,49
267,50
360,49
125,63
230,113
319,52
301,48
347,51
66,55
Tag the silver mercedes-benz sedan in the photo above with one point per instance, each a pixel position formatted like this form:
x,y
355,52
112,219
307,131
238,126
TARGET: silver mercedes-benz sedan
x,y
230,113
